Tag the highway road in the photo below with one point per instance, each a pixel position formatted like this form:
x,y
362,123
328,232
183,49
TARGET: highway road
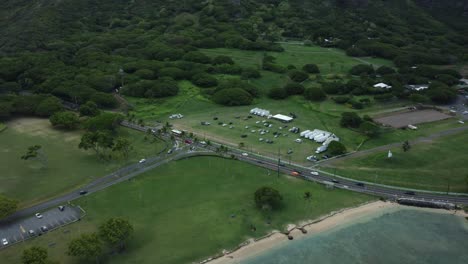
x,y
133,170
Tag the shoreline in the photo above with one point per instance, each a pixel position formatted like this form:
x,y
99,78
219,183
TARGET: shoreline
x,y
341,218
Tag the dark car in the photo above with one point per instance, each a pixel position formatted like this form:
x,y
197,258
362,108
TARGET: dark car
x,y
82,192
61,207
410,193
360,184
335,181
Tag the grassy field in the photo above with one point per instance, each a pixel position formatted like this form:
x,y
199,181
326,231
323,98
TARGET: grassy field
x,y
311,115
436,165
190,209
329,60
68,167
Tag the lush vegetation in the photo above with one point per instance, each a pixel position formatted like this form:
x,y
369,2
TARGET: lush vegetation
x,y
191,209
143,49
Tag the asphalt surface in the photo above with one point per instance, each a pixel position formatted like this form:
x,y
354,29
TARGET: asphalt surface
x,y
53,218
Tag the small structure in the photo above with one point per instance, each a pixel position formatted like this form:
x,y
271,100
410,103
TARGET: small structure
x,y
382,86
176,132
283,118
417,87
260,112
176,116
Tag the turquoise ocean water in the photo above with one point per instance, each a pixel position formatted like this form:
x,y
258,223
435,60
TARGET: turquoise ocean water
x,y
401,236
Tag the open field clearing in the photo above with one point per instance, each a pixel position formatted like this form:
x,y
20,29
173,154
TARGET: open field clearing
x,y
438,165
67,166
190,209
405,118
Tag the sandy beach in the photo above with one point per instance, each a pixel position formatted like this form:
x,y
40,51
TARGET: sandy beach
x,y
330,221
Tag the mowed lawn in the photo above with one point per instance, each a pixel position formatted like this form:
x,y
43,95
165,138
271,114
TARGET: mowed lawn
x,y
67,166
438,165
190,209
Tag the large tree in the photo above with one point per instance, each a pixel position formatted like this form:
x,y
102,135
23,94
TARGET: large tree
x,y
336,148
49,106
123,145
267,198
98,141
116,231
67,119
7,206
35,255
87,247
350,119
89,108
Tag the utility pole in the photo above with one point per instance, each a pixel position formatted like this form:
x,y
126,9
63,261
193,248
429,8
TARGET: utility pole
x,y
279,160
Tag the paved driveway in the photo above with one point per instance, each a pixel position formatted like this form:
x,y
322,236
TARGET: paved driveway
x,y
51,219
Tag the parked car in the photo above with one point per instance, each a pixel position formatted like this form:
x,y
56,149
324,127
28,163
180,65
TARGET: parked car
x,y
44,229
83,192
38,216
169,151
61,208
142,161
31,232
4,241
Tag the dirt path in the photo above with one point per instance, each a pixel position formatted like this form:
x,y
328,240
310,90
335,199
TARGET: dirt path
x,y
389,146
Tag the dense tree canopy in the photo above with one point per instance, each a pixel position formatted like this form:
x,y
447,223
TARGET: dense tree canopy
x,y
267,198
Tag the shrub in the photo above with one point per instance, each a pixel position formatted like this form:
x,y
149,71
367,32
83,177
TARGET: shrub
x,y
222,59
294,88
362,69
232,97
250,73
311,68
277,93
341,99
204,80
298,76
336,148
267,198
350,119
314,94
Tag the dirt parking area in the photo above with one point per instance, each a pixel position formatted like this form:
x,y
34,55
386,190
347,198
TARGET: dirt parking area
x,y
403,119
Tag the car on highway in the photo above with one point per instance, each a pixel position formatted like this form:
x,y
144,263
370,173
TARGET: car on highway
x,y
61,208
360,184
335,181
83,192
38,215
314,173
245,154
4,241
44,229
410,193
142,161
203,143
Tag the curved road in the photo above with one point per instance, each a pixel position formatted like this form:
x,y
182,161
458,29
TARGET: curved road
x,y
131,171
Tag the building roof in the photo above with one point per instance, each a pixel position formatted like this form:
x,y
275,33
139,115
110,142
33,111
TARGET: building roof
x,y
283,117
382,85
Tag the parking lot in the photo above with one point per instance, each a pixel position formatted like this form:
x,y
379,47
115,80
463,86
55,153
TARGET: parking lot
x,y
33,226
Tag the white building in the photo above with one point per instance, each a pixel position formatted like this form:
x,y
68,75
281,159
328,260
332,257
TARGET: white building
x,y
417,87
283,118
382,86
